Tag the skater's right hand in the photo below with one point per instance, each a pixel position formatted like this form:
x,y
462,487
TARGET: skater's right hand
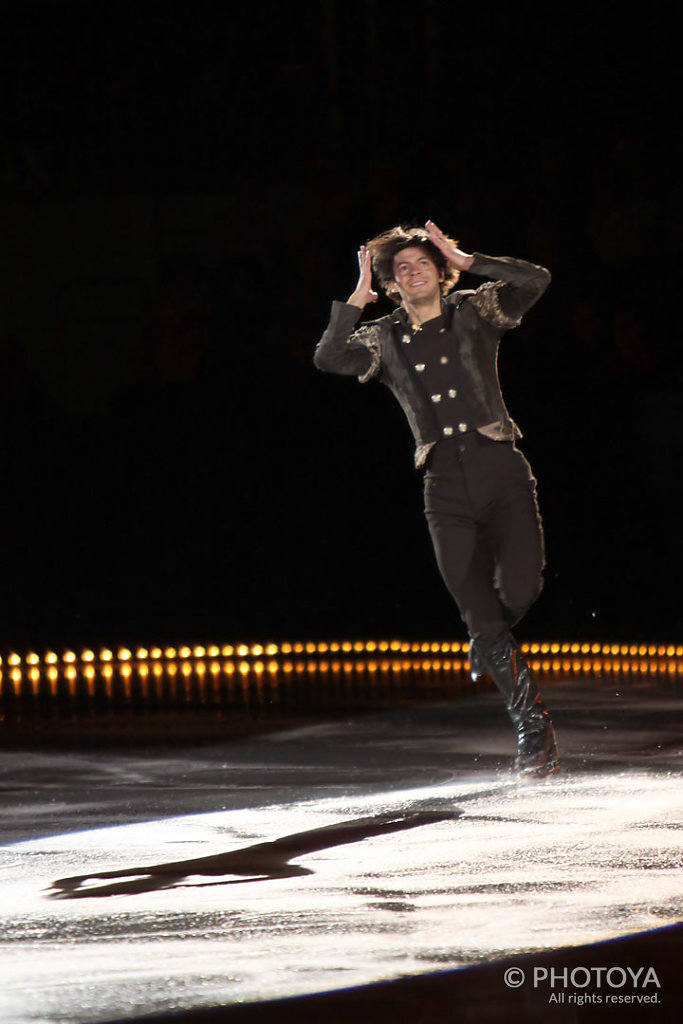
x,y
363,293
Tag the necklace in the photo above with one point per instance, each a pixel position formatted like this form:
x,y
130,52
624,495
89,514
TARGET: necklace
x,y
418,327
415,328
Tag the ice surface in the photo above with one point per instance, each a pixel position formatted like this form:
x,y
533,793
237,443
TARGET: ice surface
x,y
472,866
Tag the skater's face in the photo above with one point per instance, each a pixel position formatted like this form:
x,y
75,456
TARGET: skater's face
x,y
416,276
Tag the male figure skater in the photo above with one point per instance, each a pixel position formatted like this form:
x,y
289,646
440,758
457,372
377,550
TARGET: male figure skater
x,y
438,355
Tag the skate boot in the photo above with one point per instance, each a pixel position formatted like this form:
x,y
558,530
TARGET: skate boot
x,y
502,659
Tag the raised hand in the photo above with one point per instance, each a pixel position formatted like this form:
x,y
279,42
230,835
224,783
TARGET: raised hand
x,y
364,292
461,260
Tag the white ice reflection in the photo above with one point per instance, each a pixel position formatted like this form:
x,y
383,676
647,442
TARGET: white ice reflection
x,y
480,871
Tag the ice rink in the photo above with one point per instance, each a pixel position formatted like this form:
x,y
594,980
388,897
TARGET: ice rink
x,y
388,846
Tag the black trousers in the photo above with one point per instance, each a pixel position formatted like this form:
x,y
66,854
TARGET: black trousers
x,y
480,503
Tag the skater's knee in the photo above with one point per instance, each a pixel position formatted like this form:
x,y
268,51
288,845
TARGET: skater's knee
x,y
519,597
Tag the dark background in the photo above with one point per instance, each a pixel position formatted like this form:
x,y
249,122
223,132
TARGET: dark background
x,y
182,193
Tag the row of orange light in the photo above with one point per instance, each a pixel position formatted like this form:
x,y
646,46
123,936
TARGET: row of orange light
x,y
143,670
271,650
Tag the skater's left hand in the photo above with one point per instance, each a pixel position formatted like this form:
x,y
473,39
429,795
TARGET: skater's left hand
x,y
459,259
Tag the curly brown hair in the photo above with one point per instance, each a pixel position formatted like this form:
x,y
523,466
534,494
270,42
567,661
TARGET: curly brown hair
x,y
386,246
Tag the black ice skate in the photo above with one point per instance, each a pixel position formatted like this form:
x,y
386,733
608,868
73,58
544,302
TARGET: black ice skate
x,y
501,658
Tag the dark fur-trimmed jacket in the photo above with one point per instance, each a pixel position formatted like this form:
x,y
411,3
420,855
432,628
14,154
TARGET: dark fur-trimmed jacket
x,y
477,318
